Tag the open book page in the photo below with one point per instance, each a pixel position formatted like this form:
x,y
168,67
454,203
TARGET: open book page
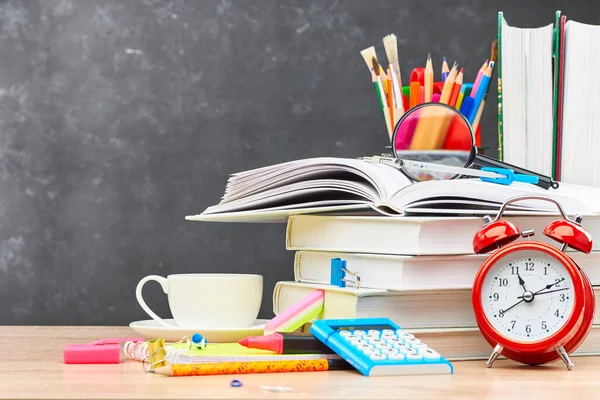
x,y
309,183
477,197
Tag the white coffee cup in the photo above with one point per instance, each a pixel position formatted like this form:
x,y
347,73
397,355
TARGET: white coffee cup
x,y
209,301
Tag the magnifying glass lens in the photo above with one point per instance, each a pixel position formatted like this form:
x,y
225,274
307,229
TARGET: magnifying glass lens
x,y
434,133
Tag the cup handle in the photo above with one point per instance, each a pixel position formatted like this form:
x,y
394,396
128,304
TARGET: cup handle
x,y
140,298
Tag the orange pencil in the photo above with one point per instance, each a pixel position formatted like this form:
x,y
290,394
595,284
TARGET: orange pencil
x,y
415,94
456,89
448,85
251,367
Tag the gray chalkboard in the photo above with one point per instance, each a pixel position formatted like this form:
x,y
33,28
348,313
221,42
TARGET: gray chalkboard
x,y
118,118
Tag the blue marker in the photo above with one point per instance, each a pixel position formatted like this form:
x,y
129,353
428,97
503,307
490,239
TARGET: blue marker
x,y
481,90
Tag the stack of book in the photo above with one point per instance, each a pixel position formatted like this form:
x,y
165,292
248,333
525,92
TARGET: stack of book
x,y
409,243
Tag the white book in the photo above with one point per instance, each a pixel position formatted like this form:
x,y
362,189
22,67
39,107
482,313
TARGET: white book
x,y
391,272
407,235
335,185
411,309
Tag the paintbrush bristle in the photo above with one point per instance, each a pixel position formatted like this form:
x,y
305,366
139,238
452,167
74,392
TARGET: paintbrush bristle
x,y
494,55
391,48
368,55
375,66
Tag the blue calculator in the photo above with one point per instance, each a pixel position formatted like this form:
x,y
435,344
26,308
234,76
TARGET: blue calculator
x,y
377,346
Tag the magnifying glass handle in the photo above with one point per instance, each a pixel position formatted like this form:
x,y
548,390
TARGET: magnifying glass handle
x,y
544,181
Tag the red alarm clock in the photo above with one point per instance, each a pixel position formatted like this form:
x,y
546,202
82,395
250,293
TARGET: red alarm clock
x,y
532,302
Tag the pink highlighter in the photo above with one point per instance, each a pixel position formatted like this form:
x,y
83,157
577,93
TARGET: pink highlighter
x,y
105,351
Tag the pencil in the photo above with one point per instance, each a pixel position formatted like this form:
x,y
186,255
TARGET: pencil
x,y
251,367
415,94
481,90
493,59
428,79
445,70
456,89
390,93
478,78
390,44
448,85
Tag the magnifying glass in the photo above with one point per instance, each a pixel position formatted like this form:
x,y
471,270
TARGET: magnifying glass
x,y
436,141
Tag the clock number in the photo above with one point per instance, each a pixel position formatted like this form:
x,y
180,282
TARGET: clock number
x,y
528,329
556,313
529,266
503,282
513,324
562,297
514,270
501,313
557,284
545,270
496,296
544,326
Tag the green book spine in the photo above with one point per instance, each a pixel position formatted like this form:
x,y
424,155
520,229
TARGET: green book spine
x,y
499,67
557,68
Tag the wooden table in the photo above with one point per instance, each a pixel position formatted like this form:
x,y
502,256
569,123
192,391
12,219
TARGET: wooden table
x,y
33,368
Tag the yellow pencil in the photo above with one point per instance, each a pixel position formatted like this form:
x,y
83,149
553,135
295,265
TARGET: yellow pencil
x,y
461,96
428,79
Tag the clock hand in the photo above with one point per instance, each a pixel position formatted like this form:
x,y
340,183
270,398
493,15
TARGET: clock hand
x,y
550,291
514,305
521,281
548,286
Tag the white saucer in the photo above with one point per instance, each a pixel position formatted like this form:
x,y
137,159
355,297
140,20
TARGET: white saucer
x,y
150,329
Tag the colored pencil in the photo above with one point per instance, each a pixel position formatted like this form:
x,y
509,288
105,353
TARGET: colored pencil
x,y
478,78
390,94
390,44
481,90
456,89
493,59
448,85
428,79
415,94
445,70
251,367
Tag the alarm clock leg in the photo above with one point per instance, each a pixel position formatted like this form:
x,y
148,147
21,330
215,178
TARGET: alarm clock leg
x,y
497,351
565,357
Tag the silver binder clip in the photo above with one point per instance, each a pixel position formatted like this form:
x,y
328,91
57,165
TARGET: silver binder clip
x,y
339,273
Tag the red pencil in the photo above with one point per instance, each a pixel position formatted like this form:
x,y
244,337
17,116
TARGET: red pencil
x,y
456,88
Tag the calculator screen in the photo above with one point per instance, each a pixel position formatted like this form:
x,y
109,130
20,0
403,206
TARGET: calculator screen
x,y
351,328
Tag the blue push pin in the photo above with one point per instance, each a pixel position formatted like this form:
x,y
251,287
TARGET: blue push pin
x,y
199,341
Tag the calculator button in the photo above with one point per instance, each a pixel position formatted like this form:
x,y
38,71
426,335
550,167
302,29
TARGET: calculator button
x,y
394,341
345,333
364,346
378,357
387,332
376,341
413,341
351,337
385,346
406,336
414,356
373,332
402,347
396,356
388,351
359,332
370,352
356,342
431,355
421,347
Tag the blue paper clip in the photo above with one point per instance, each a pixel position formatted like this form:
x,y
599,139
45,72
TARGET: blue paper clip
x,y
339,273
509,178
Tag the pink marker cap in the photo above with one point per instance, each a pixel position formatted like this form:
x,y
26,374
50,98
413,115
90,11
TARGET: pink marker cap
x,y
105,351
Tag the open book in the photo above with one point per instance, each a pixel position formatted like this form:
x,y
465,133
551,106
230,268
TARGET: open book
x,y
344,185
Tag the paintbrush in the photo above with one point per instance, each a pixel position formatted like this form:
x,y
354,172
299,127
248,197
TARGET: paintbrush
x,y
380,87
390,44
369,55
493,60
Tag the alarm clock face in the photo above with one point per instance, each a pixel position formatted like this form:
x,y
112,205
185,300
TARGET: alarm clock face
x,y
527,295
